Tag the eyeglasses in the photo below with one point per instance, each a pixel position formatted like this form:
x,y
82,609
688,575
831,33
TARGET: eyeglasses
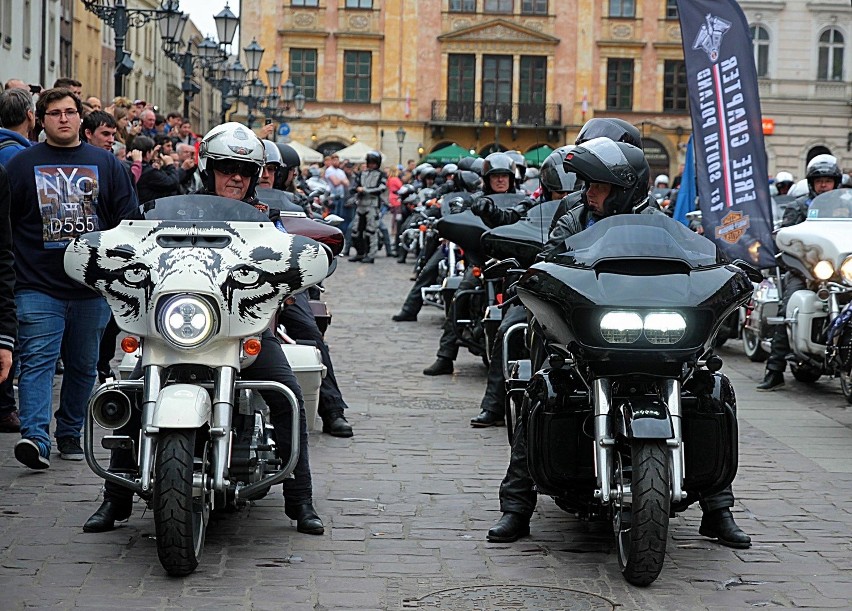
x,y
229,168
55,114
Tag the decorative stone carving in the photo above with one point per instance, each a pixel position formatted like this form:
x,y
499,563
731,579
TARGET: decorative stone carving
x,y
534,25
304,20
622,31
459,24
674,33
359,22
501,33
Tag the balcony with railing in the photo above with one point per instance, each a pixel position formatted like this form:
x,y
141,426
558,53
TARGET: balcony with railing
x,y
445,112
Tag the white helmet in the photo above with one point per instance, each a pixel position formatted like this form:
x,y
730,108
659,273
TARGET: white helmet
x,y
799,189
230,142
661,178
782,177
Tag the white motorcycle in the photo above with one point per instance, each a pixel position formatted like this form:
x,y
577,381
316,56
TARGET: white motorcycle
x,y
820,249
199,280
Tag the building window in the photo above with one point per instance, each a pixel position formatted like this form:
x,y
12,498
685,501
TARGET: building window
x,y
499,6
830,55
532,91
760,40
534,7
622,8
675,94
461,75
359,3
496,88
462,6
303,71
671,9
356,76
619,84
305,3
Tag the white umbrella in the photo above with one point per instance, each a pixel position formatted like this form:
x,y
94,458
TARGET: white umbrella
x,y
357,153
306,154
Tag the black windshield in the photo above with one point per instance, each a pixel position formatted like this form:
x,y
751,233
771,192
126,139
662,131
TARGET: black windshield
x,y
639,236
200,208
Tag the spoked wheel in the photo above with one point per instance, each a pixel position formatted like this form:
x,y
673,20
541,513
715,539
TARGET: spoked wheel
x,y
752,348
641,510
804,373
846,385
181,501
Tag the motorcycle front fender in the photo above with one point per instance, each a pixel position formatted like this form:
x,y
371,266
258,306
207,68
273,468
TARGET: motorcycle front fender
x,y
182,406
643,417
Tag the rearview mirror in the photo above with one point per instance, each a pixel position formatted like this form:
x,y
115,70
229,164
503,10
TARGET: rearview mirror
x,y
752,272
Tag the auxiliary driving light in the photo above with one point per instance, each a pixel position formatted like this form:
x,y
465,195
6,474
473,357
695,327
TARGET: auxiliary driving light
x,y
824,270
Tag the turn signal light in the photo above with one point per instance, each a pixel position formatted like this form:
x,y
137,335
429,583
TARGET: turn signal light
x,y
422,228
251,346
477,272
130,344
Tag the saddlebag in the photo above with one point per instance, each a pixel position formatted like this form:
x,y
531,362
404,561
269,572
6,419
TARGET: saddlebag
x,y
560,435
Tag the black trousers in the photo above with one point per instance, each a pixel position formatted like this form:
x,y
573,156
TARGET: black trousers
x,y
448,346
270,364
301,325
107,349
494,399
427,277
777,360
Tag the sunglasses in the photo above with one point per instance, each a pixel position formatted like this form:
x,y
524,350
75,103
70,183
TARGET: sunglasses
x,y
229,168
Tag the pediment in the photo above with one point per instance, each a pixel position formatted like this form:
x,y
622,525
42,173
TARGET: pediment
x,y
498,30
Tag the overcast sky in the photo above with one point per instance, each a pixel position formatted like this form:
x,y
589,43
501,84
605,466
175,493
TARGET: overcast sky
x,y
201,13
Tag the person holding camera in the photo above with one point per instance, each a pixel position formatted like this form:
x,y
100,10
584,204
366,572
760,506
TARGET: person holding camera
x,y
159,175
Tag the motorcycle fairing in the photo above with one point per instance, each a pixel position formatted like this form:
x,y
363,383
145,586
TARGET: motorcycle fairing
x,y
246,267
523,240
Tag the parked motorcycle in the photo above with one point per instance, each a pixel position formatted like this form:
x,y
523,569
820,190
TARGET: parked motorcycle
x,y
629,420
198,281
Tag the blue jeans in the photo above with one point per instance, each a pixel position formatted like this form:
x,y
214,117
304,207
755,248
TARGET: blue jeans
x,y
47,325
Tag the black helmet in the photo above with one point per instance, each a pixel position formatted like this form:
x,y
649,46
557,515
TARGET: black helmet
x,y
466,163
823,166
428,172
449,169
477,165
617,130
520,163
498,163
469,181
553,176
374,157
618,164
289,156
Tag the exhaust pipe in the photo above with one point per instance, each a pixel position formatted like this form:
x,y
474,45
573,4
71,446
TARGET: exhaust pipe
x,y
110,408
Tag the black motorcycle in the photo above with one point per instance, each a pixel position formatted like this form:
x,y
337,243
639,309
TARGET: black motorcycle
x,y
628,418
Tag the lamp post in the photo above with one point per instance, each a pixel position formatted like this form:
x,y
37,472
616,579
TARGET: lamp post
x,y
400,138
116,15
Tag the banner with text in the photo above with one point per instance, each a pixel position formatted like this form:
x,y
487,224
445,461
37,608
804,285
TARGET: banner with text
x,y
733,188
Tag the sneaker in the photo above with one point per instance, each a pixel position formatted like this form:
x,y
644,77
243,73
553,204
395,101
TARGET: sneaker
x,y
32,454
772,381
69,448
10,423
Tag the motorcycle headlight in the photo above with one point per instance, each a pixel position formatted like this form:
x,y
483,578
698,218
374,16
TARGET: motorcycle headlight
x,y
664,327
186,321
824,270
846,269
621,327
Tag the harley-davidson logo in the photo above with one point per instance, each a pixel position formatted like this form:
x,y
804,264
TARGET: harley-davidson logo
x,y
733,227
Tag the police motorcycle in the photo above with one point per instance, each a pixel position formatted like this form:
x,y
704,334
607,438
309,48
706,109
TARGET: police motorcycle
x,y
197,282
628,419
818,318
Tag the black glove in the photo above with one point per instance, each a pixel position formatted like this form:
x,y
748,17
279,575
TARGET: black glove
x,y
482,206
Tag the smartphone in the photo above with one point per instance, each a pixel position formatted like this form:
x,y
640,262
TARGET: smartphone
x,y
135,122
35,88
267,122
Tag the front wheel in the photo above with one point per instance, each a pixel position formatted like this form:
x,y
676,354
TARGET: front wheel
x,y
641,522
805,373
180,511
752,348
846,386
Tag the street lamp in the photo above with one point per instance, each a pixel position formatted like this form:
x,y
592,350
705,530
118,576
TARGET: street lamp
x,y
116,15
400,138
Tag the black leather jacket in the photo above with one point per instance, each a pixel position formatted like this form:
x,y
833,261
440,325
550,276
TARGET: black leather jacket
x,y
796,211
485,208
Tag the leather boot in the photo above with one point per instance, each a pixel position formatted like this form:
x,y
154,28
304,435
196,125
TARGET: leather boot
x,y
511,527
720,525
773,380
108,513
356,258
404,316
307,520
368,260
337,426
441,366
486,419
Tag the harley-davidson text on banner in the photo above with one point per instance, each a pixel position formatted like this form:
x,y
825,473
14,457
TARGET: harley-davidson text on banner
x,y
733,188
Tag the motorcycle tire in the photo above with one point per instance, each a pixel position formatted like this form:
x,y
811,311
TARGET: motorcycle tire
x,y
846,386
641,530
180,518
805,374
751,347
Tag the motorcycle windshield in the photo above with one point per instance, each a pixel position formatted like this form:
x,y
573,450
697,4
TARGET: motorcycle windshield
x,y
639,236
202,208
834,206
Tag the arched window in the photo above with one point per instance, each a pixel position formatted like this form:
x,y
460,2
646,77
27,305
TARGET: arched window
x,y
816,150
830,66
760,39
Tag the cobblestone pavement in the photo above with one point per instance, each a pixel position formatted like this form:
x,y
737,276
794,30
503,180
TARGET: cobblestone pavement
x,y
408,500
